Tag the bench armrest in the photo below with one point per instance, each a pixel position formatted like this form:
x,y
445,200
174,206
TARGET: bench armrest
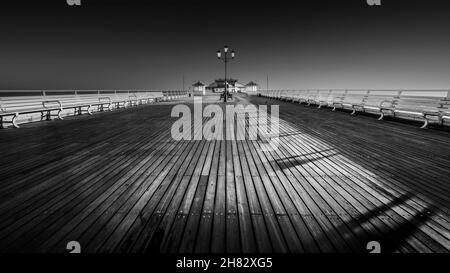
x,y
44,103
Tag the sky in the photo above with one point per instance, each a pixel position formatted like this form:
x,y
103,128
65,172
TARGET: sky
x,y
118,44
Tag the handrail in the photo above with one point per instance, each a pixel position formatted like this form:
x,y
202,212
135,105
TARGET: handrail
x,y
405,93
45,93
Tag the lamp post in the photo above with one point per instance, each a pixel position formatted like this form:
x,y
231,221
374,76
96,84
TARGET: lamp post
x,y
225,55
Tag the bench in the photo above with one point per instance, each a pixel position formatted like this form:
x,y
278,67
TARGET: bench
x,y
377,100
268,94
328,99
80,101
272,94
13,107
277,95
301,96
148,97
322,98
352,100
445,117
426,106
291,95
311,98
119,99
286,95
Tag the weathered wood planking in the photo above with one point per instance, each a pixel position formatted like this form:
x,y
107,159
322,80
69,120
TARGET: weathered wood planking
x,y
117,182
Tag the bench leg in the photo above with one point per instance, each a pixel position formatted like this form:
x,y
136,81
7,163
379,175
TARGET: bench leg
x,y
425,125
440,121
14,121
89,110
353,112
59,114
381,116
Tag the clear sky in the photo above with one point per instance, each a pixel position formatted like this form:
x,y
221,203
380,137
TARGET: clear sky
x,y
118,44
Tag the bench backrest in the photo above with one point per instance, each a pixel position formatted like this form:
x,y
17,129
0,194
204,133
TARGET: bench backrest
x,y
301,94
355,96
71,100
312,94
323,95
423,100
19,103
378,98
285,93
336,95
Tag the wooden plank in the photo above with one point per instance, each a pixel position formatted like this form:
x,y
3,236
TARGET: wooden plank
x,y
205,230
218,233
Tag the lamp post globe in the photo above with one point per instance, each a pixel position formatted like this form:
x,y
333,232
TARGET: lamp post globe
x,y
225,56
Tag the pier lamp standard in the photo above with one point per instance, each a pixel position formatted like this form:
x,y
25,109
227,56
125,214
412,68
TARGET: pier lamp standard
x,y
226,55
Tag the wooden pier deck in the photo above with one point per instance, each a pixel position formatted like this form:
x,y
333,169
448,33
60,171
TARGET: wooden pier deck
x,y
118,182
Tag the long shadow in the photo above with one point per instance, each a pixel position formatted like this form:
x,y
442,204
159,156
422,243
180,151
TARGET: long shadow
x,y
390,239
287,134
297,160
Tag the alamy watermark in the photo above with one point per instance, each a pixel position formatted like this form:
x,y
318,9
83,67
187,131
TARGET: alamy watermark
x,y
239,122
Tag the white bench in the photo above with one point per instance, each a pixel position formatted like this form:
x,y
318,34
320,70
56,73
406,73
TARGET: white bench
x,y
322,98
302,96
378,100
352,100
13,107
426,106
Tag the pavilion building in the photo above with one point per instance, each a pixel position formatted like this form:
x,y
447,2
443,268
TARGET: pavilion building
x,y
199,88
